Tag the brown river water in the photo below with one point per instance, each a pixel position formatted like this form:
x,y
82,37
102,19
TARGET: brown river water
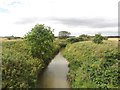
x,y
55,75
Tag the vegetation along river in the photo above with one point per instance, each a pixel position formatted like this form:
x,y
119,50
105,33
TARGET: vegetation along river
x,y
55,75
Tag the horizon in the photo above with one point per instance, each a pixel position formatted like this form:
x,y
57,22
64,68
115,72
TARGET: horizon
x,y
69,35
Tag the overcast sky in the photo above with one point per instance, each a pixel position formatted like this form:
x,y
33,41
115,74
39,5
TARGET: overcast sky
x,y
17,17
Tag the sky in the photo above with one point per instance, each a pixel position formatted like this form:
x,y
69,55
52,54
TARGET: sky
x,y
17,17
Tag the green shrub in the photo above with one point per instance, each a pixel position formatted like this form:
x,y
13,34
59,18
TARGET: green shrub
x,y
93,65
84,37
56,48
105,38
19,68
62,42
73,39
98,38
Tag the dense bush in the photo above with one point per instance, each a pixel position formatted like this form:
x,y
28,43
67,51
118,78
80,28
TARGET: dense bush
x,y
84,37
98,38
56,48
73,40
19,68
105,38
93,65
61,42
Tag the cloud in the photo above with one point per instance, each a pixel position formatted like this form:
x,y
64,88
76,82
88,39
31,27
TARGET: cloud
x,y
91,22
27,20
9,5
74,22
3,10
14,3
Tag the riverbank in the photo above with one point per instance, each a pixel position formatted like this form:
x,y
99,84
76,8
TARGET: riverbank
x,y
93,65
19,68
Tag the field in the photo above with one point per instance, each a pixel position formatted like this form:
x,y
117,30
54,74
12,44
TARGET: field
x,y
93,65
6,39
114,39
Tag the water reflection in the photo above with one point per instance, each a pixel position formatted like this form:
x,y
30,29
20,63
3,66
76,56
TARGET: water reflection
x,y
55,75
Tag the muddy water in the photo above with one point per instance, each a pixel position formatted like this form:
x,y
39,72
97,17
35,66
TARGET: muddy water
x,y
55,75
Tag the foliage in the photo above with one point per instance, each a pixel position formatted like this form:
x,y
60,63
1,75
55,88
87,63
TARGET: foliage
x,y
73,39
56,48
84,37
40,41
64,34
93,65
22,60
105,38
61,42
19,68
98,38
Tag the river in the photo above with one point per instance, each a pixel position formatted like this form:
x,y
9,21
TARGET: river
x,y
55,75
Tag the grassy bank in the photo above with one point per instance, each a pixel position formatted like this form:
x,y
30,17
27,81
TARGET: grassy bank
x,y
93,65
19,68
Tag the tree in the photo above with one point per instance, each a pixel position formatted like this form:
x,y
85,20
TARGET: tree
x,y
73,39
64,34
105,38
84,37
98,38
40,40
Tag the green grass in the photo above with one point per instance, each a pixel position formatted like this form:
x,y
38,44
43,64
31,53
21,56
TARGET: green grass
x,y
93,65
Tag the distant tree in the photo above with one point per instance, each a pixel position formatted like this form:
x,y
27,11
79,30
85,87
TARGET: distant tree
x,y
64,34
10,37
98,38
84,37
73,39
105,38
